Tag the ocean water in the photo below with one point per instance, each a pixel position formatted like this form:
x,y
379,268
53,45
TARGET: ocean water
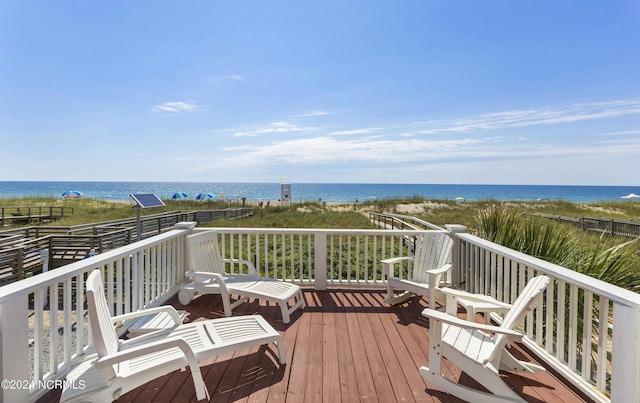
x,y
330,192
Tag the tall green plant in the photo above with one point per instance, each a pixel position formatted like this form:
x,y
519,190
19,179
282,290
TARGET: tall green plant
x,y
611,264
569,248
500,225
544,239
560,245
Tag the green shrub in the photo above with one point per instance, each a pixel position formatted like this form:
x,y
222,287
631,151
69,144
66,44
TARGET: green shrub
x,y
604,258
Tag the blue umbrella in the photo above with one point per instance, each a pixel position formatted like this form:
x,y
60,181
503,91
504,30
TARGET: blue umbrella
x,y
72,194
179,195
205,196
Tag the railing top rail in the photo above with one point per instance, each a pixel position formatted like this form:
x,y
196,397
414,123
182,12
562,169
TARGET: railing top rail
x,y
632,222
37,207
127,220
238,230
612,292
411,218
22,244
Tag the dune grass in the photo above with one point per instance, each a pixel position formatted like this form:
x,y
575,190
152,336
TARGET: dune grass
x,y
611,259
317,215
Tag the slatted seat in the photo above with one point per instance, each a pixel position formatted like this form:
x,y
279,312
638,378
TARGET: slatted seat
x,y
118,366
207,271
428,266
479,349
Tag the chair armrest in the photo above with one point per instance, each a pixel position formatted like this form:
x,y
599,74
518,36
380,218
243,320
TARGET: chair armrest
x,y
205,275
248,263
475,297
140,350
387,264
150,311
216,277
434,275
434,278
440,270
394,260
455,321
158,346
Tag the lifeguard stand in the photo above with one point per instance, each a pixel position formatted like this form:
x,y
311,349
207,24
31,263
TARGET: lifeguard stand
x,y
285,194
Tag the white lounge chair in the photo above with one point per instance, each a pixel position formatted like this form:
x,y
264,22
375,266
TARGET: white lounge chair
x,y
479,349
119,366
207,270
429,263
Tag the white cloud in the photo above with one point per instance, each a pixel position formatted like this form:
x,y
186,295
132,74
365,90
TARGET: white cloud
x,y
532,117
327,150
175,107
383,153
620,133
275,127
230,77
356,131
188,157
313,113
467,143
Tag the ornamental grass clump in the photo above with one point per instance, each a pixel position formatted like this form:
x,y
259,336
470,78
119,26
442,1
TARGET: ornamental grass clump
x,y
617,264
596,256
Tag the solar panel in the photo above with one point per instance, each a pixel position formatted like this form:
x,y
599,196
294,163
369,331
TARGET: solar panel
x,y
146,200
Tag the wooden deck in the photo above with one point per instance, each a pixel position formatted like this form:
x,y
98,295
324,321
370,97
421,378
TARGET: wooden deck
x,y
346,346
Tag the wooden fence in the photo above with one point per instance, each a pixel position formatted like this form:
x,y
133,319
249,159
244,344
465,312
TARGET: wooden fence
x,y
609,226
27,214
22,250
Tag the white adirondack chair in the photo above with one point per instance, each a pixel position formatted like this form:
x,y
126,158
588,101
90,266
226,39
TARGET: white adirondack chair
x,y
480,349
119,366
430,261
207,271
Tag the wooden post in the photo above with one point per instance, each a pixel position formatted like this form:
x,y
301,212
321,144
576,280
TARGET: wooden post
x,y
14,333
320,261
625,357
456,273
19,261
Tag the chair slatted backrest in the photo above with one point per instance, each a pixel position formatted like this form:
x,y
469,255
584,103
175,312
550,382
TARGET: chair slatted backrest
x,y
525,302
204,252
103,331
432,251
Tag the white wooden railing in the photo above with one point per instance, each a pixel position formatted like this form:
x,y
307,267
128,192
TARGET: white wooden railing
x,y
602,358
48,310
573,330
317,257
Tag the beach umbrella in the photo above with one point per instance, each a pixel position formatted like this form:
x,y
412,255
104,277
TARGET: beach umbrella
x,y
72,194
205,196
631,196
179,195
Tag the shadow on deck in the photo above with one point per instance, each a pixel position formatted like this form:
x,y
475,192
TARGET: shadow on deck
x,y
346,346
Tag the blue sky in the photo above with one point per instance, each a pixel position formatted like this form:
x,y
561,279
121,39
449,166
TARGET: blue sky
x,y
495,92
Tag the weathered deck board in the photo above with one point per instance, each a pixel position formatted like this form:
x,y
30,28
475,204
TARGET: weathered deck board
x,y
346,346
